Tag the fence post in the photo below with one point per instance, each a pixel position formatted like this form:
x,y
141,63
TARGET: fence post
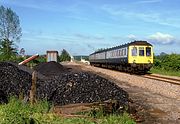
x,y
33,88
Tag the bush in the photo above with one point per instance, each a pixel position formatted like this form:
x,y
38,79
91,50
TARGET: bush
x,y
167,62
64,56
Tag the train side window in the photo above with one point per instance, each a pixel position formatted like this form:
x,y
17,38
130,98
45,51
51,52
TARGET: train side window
x,y
116,52
141,51
124,51
121,52
148,51
134,51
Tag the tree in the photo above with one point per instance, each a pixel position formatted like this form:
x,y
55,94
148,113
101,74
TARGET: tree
x,y
7,51
22,52
64,56
9,25
10,32
100,49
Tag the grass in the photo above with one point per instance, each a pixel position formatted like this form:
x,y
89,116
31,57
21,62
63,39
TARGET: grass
x,y
116,119
17,112
165,72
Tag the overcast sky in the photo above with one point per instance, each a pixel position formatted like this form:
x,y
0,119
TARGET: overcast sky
x,y
83,26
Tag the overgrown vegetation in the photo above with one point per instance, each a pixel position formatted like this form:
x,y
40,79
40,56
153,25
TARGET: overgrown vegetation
x,y
65,56
7,50
18,112
167,64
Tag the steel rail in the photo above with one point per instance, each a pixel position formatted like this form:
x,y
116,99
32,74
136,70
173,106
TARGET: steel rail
x,y
162,78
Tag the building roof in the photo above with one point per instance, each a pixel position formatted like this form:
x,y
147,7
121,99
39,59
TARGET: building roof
x,y
51,51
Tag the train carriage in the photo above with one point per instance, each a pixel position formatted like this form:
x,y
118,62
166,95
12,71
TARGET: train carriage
x,y
131,57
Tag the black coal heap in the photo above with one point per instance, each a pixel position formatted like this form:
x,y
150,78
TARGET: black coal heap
x,y
50,68
62,88
13,80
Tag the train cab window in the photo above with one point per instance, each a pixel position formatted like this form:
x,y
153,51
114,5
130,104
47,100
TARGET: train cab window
x,y
141,51
148,51
134,51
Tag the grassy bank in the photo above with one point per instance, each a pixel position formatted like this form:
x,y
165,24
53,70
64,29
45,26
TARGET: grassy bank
x,y
167,64
164,72
17,112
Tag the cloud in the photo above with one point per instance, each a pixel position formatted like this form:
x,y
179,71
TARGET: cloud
x,y
88,37
161,18
149,1
131,37
82,36
161,38
42,5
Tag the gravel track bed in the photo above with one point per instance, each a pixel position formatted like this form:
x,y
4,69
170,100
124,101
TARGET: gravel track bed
x,y
157,101
160,87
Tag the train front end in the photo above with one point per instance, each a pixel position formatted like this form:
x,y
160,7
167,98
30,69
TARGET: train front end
x,y
140,56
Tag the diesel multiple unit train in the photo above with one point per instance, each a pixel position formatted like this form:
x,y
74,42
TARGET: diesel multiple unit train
x,y
132,57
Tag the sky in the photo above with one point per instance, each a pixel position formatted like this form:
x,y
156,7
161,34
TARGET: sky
x,y
83,26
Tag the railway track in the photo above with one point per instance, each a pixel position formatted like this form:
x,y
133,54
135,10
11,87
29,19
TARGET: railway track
x,y
162,78
174,81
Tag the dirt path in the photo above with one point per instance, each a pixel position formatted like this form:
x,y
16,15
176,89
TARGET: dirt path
x,y
155,102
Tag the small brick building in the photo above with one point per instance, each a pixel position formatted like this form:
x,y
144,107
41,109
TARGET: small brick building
x,y
52,56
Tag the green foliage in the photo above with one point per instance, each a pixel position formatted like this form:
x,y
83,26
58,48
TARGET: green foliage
x,y
64,56
101,49
163,72
7,50
19,59
117,119
10,32
9,25
17,112
41,59
167,62
38,60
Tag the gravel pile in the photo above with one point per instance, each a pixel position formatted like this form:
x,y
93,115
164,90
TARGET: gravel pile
x,y
83,88
61,89
50,68
13,80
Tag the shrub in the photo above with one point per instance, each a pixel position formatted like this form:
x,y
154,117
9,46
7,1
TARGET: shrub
x,y
167,62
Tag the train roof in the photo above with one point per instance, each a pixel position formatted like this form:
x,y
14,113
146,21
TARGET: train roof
x,y
125,45
139,43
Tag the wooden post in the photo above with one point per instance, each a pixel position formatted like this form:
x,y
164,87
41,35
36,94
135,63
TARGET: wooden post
x,y
33,88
